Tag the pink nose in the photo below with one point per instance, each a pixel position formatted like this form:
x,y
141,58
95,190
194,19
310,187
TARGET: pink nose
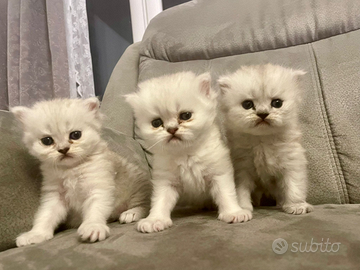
x,y
64,151
172,130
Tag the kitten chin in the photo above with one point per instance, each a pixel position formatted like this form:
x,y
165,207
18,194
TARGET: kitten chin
x,y
83,181
260,104
175,118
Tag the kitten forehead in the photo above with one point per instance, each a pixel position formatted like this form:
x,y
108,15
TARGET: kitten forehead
x,y
169,94
60,115
264,81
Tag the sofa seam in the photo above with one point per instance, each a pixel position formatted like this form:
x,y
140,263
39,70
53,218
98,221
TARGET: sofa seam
x,y
271,49
341,183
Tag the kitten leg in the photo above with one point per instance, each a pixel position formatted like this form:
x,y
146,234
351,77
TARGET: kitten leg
x,y
97,209
50,214
133,214
294,197
256,196
224,194
163,201
244,188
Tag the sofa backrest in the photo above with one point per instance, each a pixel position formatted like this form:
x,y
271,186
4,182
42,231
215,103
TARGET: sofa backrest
x,y
319,36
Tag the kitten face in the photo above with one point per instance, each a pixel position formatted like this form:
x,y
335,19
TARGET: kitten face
x,y
174,110
260,100
61,132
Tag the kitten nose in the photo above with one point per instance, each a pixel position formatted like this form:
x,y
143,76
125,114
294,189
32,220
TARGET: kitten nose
x,y
172,130
262,115
64,150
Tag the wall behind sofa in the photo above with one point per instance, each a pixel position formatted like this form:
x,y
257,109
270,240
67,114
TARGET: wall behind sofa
x,y
110,35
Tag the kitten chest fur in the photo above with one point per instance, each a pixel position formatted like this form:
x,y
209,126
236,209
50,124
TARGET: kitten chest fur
x,y
266,160
192,175
258,155
268,156
193,169
74,185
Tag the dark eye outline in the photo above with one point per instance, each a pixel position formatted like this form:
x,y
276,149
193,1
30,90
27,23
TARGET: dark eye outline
x,y
157,122
185,116
247,104
276,103
75,135
47,141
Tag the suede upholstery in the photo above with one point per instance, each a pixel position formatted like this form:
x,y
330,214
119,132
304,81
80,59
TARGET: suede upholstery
x,y
319,36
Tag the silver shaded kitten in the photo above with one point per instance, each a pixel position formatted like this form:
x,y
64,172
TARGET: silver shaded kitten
x,y
84,183
260,104
175,115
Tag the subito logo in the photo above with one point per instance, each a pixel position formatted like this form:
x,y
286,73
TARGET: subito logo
x,y
280,246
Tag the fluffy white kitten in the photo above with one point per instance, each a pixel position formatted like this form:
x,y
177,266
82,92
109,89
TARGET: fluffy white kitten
x,y
175,115
83,182
261,111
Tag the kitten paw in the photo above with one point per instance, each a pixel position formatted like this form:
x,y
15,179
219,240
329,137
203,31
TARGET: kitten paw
x,y
131,215
243,215
148,225
93,232
298,208
32,237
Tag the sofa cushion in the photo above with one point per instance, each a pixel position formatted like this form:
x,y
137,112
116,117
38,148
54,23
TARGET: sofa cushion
x,y
200,241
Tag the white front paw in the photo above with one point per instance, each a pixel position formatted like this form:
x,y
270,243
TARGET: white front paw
x,y
236,217
298,208
93,231
131,215
148,225
33,237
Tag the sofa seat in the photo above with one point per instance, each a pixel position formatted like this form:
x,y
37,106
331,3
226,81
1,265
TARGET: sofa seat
x,y
198,240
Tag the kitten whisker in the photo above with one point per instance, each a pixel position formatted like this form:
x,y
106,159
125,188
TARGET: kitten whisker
x,y
161,140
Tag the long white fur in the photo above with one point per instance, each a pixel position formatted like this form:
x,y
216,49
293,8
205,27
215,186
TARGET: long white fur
x,y
197,167
267,158
84,189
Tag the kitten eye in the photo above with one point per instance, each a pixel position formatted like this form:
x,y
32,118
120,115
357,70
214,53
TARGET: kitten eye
x,y
247,104
185,115
47,141
75,135
156,123
276,103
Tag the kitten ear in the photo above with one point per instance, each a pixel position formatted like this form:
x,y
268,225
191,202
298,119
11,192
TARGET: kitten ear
x,y
205,83
20,112
224,84
132,99
92,103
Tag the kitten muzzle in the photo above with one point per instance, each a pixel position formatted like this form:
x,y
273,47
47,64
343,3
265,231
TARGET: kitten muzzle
x,y
174,138
262,122
66,156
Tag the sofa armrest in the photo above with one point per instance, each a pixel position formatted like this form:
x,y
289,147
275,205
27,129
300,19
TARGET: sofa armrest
x,y
20,182
123,81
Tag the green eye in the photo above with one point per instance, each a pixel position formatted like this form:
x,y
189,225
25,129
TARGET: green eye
x,y
247,104
75,135
276,103
47,141
185,115
156,123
